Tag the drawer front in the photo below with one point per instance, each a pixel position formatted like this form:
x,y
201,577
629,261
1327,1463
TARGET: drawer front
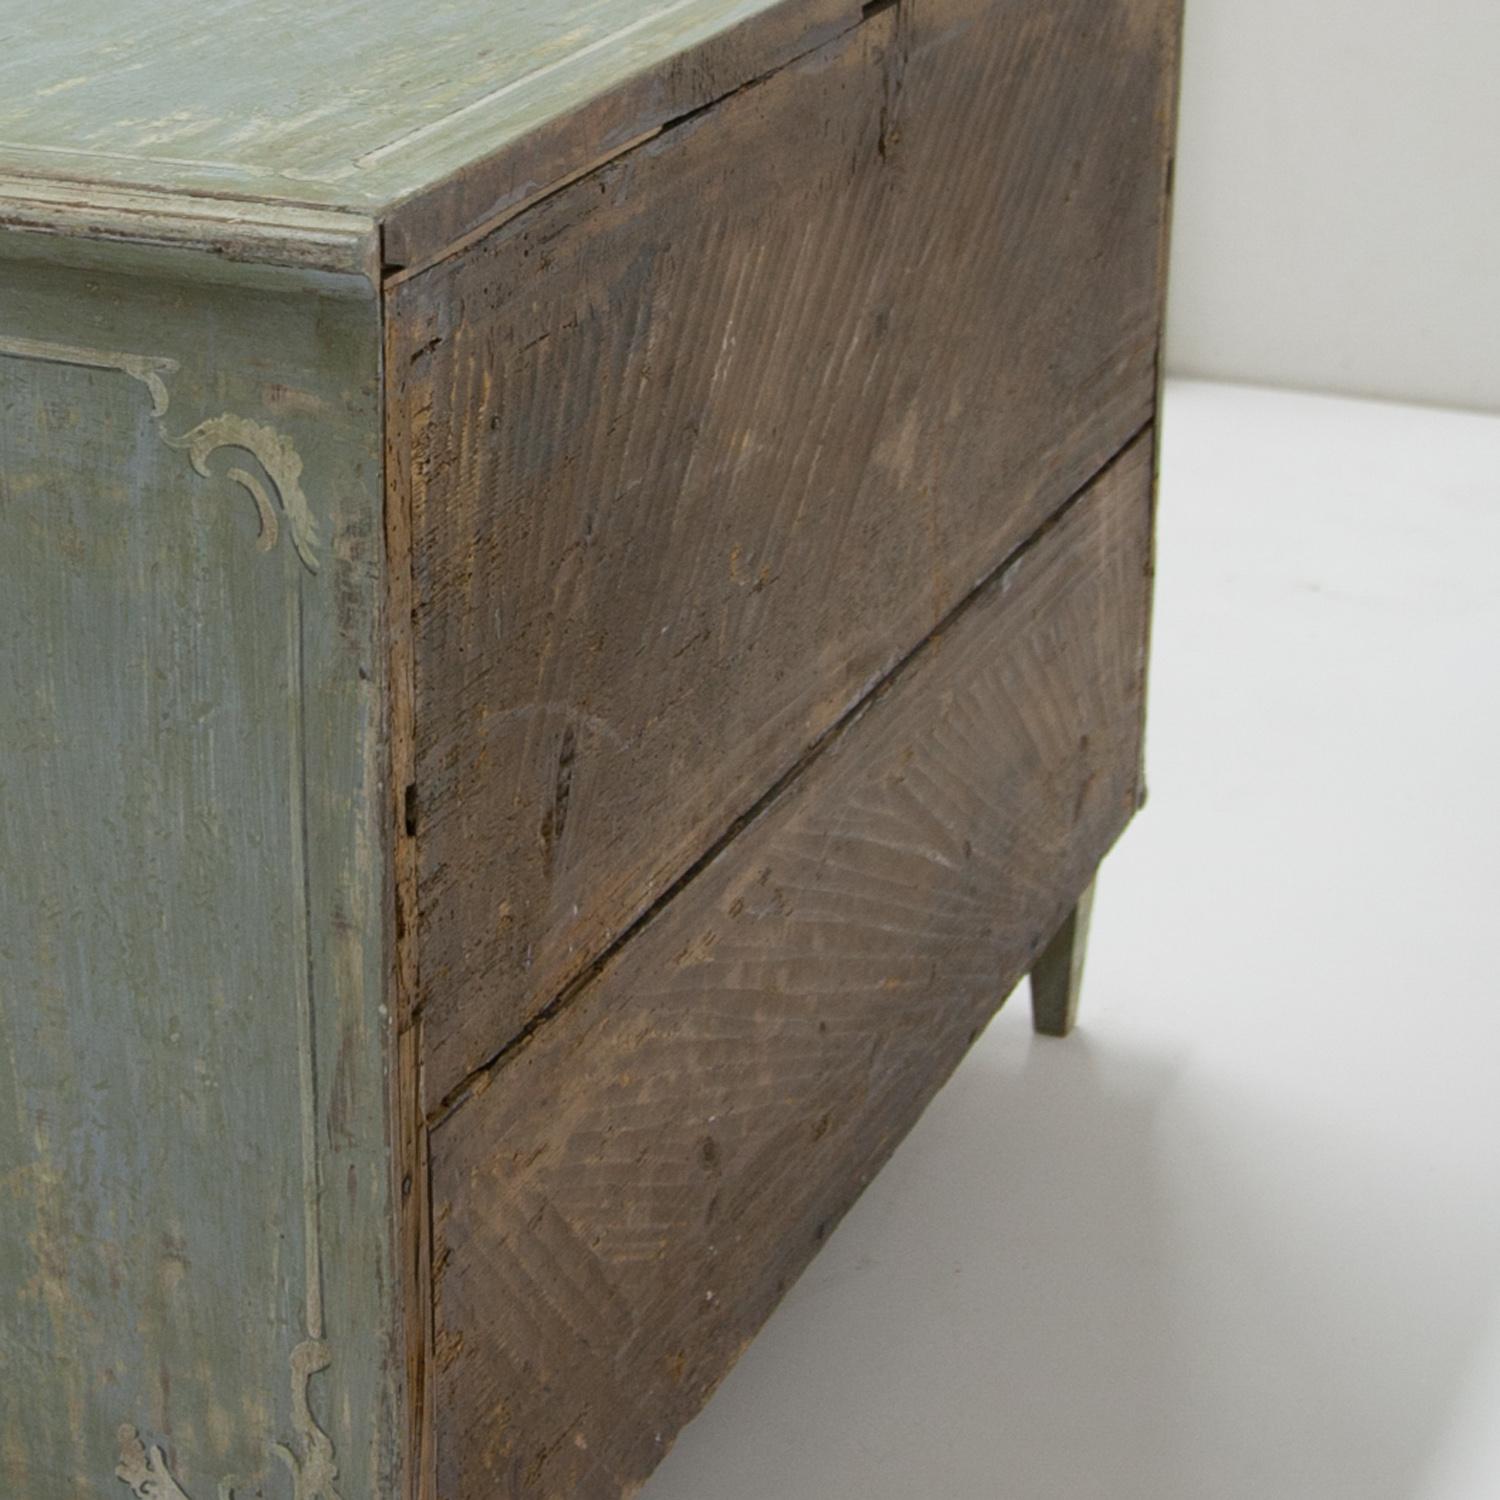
x,y
622,1200
698,449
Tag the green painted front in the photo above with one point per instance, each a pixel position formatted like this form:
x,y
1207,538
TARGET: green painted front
x,y
195,1190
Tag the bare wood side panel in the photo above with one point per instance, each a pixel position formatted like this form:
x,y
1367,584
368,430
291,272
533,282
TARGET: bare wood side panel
x,y
700,447
617,1214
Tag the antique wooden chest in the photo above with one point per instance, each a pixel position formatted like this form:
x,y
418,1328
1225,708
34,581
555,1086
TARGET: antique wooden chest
x,y
574,584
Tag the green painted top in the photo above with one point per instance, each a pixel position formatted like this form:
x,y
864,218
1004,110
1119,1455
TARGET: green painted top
x,y
349,106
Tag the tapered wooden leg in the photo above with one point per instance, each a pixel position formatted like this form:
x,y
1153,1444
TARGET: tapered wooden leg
x,y
1058,974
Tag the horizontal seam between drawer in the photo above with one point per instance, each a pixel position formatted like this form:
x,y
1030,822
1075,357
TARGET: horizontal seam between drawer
x,y
478,1077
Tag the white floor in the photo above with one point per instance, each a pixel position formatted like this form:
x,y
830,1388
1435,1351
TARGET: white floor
x,y
1239,1239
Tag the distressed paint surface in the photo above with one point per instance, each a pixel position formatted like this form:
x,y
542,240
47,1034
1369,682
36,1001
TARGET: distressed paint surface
x,y
195,1277
351,103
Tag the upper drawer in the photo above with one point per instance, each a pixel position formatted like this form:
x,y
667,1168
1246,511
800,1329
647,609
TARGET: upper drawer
x,y
699,448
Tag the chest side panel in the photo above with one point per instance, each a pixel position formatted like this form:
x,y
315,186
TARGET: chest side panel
x,y
195,1279
621,1204
698,449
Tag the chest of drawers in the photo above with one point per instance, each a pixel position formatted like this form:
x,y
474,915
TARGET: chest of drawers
x,y
574,585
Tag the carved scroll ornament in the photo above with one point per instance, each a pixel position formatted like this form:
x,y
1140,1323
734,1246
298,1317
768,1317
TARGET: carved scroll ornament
x,y
273,451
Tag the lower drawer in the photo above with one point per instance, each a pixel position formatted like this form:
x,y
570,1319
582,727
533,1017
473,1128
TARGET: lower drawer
x,y
621,1201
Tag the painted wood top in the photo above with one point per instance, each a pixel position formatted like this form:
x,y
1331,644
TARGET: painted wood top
x,y
348,106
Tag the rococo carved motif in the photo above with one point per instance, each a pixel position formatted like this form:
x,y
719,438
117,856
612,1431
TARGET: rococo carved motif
x,y
313,1470
274,452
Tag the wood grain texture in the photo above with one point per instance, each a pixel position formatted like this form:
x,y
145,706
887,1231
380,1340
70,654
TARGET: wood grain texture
x,y
195,1204
699,447
621,1205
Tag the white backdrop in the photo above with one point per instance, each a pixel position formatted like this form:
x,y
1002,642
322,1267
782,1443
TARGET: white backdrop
x,y
1338,197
